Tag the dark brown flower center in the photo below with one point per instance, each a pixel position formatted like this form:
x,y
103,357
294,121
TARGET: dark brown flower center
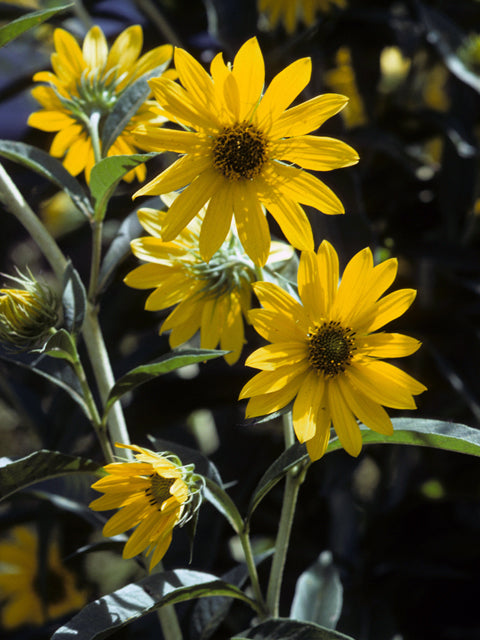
x,y
331,348
159,490
240,151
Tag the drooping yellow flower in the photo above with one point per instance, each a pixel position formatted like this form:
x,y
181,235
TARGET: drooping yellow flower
x,y
240,150
28,595
292,12
208,297
325,353
153,494
82,90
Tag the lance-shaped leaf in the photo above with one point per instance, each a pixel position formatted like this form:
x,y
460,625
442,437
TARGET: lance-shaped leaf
x,y
106,175
319,593
104,616
437,434
164,364
220,499
31,19
61,345
50,168
285,629
39,466
127,106
74,300
294,455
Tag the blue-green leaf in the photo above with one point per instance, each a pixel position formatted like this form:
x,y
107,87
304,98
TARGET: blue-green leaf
x,y
164,364
74,300
106,175
50,168
32,19
285,629
39,466
104,616
319,593
61,345
220,499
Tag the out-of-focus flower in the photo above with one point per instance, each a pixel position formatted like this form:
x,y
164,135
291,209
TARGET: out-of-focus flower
x,y
83,89
27,315
60,215
394,69
211,297
290,13
153,494
342,80
324,351
29,593
240,150
469,52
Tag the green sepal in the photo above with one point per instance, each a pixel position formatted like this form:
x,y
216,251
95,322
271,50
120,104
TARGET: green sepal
x,y
50,168
106,615
285,629
220,499
169,362
38,466
32,19
106,175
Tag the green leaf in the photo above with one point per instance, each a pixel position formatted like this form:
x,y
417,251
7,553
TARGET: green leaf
x,y
165,364
318,593
285,629
437,434
106,175
220,499
50,168
39,466
61,345
74,300
32,19
296,454
127,106
104,616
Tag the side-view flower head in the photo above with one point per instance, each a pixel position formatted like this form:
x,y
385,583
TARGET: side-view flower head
x,y
240,148
326,353
290,13
212,297
82,90
153,494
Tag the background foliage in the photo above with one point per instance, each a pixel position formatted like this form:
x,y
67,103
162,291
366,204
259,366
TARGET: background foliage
x,y
402,524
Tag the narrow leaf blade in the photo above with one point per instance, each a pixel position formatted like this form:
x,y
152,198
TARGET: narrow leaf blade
x,y
32,19
284,629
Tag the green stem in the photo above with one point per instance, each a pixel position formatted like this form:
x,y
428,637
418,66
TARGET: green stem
x,y
105,379
92,124
92,407
252,569
294,479
169,622
16,204
97,233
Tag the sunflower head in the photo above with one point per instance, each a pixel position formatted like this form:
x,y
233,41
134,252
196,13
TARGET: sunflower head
x,y
154,494
27,315
326,355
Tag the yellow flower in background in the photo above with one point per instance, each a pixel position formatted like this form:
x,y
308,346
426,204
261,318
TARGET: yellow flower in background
x,y
84,86
28,595
292,12
325,353
212,297
342,79
240,148
153,494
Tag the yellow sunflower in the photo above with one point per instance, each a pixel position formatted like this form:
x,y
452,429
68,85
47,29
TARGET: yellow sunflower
x,y
291,12
83,89
240,149
212,297
153,494
28,595
324,351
